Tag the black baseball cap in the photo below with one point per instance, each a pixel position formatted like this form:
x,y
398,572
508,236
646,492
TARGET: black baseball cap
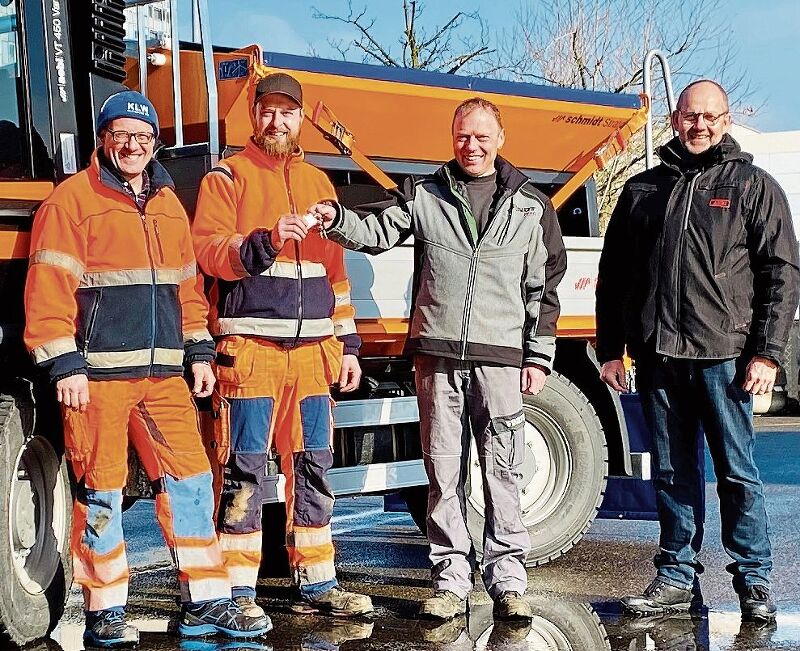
x,y
279,82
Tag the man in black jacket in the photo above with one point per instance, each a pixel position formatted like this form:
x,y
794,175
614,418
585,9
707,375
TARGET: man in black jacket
x,y
699,280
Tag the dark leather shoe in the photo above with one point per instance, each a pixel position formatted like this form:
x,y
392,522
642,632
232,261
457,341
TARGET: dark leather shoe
x,y
757,605
657,599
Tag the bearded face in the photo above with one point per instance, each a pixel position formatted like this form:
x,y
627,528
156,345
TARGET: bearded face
x,y
276,145
277,125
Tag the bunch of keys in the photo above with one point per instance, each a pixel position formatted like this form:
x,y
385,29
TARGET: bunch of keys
x,y
311,220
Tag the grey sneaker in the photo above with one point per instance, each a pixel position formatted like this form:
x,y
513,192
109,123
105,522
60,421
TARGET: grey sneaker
x,y
658,598
512,606
336,601
107,629
249,606
443,605
223,617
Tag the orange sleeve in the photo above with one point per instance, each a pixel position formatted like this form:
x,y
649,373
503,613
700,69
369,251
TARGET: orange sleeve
x,y
197,341
344,324
57,264
216,241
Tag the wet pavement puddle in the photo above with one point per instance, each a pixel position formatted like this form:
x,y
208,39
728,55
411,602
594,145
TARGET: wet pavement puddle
x,y
558,625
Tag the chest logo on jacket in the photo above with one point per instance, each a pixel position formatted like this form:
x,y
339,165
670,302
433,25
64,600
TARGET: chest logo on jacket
x,y
720,203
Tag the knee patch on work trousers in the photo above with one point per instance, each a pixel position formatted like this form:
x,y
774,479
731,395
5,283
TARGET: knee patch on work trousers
x,y
313,498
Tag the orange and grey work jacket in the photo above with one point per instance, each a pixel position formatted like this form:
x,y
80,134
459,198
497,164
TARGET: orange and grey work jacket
x,y
112,290
297,295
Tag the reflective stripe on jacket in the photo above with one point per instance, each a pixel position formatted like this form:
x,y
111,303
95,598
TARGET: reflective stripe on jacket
x,y
112,290
298,294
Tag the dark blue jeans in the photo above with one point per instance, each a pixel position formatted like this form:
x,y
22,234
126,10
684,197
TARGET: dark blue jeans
x,y
679,396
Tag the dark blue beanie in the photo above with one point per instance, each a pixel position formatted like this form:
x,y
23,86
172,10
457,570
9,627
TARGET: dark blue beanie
x,y
127,104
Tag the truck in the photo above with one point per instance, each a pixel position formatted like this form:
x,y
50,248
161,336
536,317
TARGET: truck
x,y
60,59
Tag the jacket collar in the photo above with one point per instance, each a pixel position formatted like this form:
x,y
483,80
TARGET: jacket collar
x,y
509,178
262,160
675,156
111,178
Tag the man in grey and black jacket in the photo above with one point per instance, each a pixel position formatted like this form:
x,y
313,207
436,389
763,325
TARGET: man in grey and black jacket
x,y
699,280
488,258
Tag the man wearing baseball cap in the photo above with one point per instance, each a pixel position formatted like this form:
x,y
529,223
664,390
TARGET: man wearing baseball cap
x,y
280,308
114,313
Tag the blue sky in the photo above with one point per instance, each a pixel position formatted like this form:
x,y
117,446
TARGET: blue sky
x,y
767,34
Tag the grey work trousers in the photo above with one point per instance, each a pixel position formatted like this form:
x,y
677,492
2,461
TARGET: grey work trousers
x,y
456,400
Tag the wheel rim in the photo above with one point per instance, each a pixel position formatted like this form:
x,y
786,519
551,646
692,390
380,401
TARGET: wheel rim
x,y
37,515
546,470
546,636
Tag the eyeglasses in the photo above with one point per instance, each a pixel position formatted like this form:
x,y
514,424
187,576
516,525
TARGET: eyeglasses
x,y
709,118
142,137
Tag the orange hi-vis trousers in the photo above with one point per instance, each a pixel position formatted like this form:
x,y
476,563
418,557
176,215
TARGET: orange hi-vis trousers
x,y
161,421
272,395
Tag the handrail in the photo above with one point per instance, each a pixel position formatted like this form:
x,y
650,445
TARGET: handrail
x,y
647,84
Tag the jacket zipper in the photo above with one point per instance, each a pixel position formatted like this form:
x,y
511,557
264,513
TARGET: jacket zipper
x,y
298,265
152,291
682,245
158,241
92,319
473,272
473,266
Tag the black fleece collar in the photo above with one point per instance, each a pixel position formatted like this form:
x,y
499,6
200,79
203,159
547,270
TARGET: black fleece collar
x,y
674,155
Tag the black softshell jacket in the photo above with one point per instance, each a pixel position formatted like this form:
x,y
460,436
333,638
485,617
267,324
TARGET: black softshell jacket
x,y
700,260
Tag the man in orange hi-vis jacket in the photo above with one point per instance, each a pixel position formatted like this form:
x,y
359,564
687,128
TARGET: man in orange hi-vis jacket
x,y
281,310
114,310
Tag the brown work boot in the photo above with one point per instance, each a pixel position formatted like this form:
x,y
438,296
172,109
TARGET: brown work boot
x,y
512,606
249,606
446,632
336,601
443,605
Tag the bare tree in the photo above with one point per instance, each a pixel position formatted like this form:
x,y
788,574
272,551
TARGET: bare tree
x,y
459,45
589,44
600,45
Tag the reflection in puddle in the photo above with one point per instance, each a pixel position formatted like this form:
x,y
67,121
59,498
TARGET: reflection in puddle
x,y
557,625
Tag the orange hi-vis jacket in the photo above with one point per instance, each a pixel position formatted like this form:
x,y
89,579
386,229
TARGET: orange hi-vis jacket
x,y
113,291
293,296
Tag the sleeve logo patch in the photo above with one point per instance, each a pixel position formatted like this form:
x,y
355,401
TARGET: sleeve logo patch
x,y
720,203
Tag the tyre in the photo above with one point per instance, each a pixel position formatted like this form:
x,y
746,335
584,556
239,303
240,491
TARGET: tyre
x,y
35,519
274,557
563,474
556,625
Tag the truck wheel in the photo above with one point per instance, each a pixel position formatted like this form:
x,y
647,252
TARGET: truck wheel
x,y
274,558
563,626
35,520
563,474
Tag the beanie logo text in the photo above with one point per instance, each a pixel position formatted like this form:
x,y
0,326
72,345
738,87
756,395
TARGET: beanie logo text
x,y
141,109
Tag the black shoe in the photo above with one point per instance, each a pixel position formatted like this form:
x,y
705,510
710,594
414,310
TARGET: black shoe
x,y
754,635
223,617
757,605
669,632
107,629
658,598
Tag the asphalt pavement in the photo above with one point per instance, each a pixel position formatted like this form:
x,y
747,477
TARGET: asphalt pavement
x,y
574,598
